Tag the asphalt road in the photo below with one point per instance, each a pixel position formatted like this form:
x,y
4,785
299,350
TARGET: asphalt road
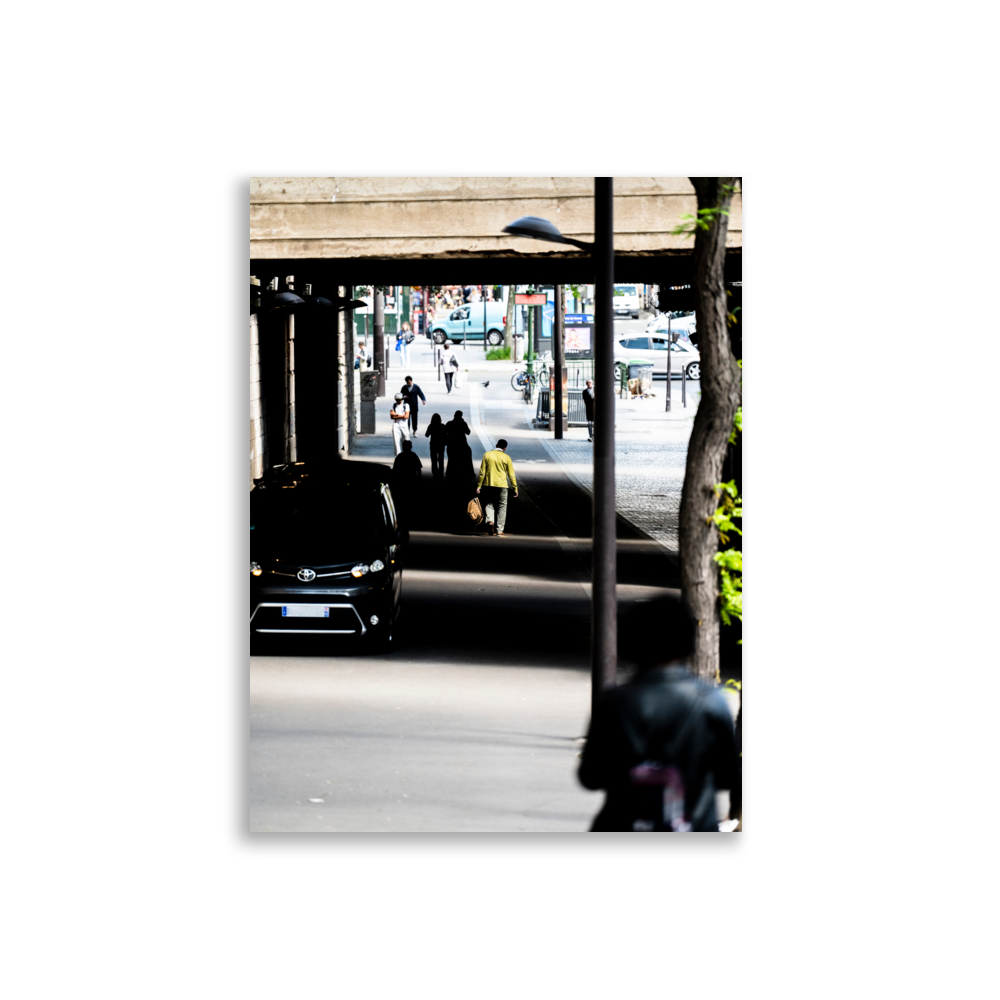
x,y
474,721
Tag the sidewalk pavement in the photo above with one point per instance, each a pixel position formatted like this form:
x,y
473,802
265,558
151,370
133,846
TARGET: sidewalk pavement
x,y
650,456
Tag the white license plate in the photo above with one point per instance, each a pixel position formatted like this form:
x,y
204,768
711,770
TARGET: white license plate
x,y
305,611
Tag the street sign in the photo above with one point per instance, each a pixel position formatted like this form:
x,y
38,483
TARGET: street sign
x,y
524,299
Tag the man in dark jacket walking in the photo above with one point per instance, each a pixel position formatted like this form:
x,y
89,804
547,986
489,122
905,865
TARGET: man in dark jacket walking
x,y
588,405
663,744
413,395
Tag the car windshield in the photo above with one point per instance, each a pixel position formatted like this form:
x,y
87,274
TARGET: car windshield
x,y
624,289
315,523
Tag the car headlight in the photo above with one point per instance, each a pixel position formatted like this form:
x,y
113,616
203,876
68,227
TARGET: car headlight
x,y
255,569
361,569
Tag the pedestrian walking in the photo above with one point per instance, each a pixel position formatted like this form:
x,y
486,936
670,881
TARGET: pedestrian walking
x,y
460,470
399,415
661,745
437,431
449,366
403,339
413,395
588,405
361,359
406,472
495,470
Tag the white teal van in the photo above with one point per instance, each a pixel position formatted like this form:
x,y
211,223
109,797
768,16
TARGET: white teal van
x,y
466,323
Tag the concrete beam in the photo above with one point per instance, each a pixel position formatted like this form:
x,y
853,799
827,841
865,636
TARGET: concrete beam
x,y
401,217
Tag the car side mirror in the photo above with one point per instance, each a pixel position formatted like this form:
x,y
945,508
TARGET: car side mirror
x,y
402,537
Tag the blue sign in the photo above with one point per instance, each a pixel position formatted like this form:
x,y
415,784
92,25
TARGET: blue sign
x,y
579,317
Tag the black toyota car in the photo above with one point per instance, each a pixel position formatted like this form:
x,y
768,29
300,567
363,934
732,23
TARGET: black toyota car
x,y
325,552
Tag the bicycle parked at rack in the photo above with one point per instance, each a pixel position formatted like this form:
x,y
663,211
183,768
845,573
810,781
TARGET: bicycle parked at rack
x,y
524,381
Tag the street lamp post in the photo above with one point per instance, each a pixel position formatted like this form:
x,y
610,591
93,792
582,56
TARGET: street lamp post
x,y
379,339
670,351
556,395
672,339
604,619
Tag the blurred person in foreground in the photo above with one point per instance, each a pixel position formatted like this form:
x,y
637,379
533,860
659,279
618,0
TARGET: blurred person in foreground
x,y
663,744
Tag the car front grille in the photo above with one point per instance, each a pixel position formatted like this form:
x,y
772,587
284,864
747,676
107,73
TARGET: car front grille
x,y
322,572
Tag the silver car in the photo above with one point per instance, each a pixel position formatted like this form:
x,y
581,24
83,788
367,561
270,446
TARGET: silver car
x,y
684,357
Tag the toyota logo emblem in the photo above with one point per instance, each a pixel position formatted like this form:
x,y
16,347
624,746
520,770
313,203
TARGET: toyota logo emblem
x,y
307,575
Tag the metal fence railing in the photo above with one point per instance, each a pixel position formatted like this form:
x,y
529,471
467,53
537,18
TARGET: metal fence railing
x,y
576,415
577,372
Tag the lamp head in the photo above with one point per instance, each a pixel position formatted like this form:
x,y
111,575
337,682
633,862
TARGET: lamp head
x,y
532,227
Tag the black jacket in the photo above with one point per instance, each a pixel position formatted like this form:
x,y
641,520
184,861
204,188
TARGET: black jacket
x,y
637,721
588,402
412,393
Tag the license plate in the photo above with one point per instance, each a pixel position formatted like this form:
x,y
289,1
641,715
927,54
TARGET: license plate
x,y
305,611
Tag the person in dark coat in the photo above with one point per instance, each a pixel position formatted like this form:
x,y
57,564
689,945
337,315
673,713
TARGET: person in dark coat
x,y
413,395
460,467
438,433
588,405
663,744
406,472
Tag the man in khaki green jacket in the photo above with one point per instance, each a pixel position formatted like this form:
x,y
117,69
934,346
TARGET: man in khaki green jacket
x,y
494,471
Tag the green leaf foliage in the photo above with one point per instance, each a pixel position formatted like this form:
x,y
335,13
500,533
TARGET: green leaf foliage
x,y
690,224
729,561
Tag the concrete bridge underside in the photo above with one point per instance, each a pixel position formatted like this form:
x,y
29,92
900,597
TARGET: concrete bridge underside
x,y
432,230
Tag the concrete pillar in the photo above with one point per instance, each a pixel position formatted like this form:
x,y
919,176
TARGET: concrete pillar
x,y
317,353
258,431
290,450
271,356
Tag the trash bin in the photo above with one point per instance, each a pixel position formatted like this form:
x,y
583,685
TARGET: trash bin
x,y
640,377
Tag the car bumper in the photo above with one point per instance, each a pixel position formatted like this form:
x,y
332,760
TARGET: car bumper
x,y
661,372
348,609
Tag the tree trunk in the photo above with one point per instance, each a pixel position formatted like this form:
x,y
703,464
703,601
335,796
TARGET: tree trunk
x,y
508,329
720,396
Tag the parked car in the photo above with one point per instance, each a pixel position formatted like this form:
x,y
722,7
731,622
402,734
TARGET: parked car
x,y
466,323
628,300
684,325
326,552
684,358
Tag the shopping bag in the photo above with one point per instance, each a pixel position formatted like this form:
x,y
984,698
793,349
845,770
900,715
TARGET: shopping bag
x,y
475,510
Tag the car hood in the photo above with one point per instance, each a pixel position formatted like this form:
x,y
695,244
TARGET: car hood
x,y
291,549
